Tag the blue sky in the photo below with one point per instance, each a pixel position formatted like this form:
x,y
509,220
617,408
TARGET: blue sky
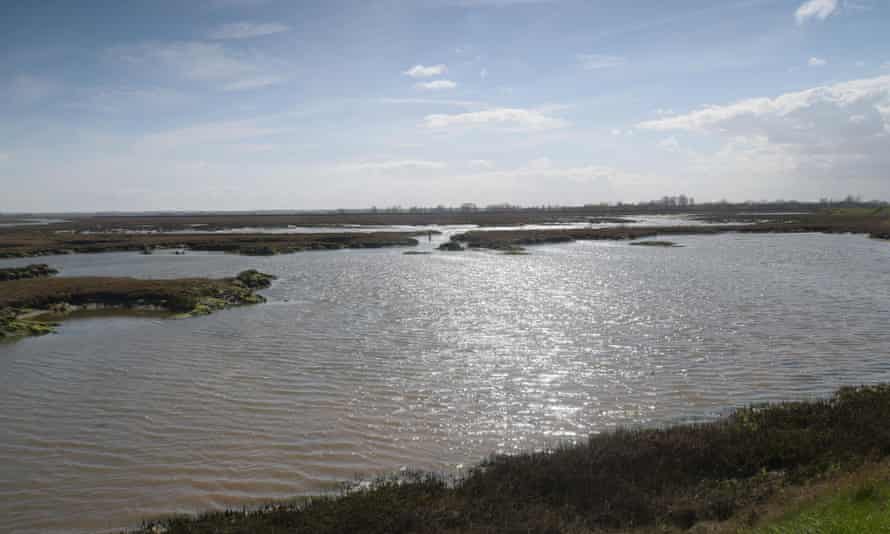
x,y
268,104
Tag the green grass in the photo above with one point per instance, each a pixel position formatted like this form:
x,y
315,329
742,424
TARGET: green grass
x,y
863,509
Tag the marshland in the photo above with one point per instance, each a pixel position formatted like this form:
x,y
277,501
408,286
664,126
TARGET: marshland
x,y
360,362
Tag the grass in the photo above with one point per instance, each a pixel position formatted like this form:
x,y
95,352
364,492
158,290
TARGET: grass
x,y
663,479
862,509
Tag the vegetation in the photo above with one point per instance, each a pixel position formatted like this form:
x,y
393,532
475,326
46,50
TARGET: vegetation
x,y
25,303
655,243
661,480
30,242
862,508
451,246
254,279
37,270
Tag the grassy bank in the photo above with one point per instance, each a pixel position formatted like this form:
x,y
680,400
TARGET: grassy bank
x,y
657,480
31,306
854,508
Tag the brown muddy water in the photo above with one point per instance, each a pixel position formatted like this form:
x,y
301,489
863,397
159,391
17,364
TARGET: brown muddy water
x,y
367,362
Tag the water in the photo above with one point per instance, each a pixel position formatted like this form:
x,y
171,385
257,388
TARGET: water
x,y
368,361
448,229
30,222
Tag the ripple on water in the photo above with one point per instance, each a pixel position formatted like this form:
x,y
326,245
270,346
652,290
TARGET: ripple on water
x,y
367,361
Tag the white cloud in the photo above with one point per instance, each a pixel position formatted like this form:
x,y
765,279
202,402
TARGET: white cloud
x,y
483,73
419,71
526,119
599,61
436,85
815,9
716,118
817,62
819,139
246,30
392,165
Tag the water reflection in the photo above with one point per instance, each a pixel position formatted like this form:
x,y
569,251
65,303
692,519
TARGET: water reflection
x,y
367,361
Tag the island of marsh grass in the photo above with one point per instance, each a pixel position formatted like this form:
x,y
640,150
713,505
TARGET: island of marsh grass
x,y
656,243
876,226
24,303
30,242
652,480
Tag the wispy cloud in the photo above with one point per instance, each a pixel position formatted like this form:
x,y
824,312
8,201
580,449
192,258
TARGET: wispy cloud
x,y
528,119
433,102
436,85
391,165
815,9
599,61
246,30
481,164
253,83
420,71
211,133
817,62
204,62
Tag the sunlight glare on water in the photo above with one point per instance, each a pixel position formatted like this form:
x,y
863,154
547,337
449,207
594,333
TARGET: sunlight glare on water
x,y
364,362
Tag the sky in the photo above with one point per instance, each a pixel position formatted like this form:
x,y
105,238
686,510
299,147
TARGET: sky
x,y
279,104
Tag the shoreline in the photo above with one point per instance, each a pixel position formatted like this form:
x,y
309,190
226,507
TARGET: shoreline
x,y
740,472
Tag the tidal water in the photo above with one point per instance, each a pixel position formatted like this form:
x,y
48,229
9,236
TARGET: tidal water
x,y
369,361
